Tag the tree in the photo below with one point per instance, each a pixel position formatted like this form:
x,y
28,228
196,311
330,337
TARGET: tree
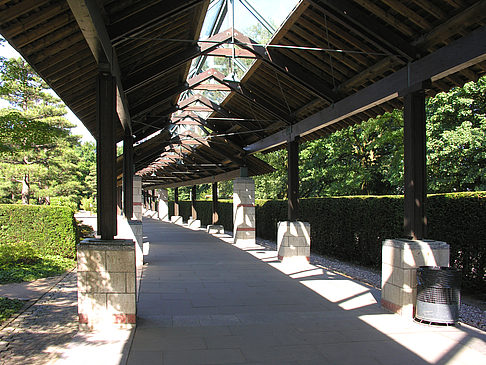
x,y
456,139
36,148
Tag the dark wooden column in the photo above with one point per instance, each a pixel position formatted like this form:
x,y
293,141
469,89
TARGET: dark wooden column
x,y
293,179
128,175
415,220
106,155
176,201
152,206
193,202
214,188
119,208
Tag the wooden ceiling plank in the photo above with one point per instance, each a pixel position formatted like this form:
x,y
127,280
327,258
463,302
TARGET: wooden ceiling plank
x,y
149,17
35,19
33,35
366,25
386,16
471,15
20,9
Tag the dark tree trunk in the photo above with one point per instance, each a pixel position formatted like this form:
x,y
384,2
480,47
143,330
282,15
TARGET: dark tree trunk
x,y
25,189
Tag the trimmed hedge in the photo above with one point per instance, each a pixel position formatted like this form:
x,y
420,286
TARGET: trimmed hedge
x,y
51,229
353,228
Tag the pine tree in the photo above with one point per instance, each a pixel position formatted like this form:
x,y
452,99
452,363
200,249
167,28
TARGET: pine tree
x,y
37,156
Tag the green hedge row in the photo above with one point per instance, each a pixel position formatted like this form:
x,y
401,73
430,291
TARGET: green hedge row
x,y
51,229
353,228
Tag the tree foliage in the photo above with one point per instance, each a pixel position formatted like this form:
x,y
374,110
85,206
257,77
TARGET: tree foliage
x,y
38,155
367,158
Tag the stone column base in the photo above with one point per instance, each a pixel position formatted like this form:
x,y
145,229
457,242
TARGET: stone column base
x,y
106,284
400,260
215,229
194,224
176,219
244,222
293,240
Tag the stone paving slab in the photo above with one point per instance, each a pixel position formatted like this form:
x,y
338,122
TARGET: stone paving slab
x,y
205,301
52,320
31,290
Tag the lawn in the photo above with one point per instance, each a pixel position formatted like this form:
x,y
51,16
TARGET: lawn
x,y
20,261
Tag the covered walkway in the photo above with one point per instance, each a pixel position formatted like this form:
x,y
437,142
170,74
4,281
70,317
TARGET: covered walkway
x,y
204,301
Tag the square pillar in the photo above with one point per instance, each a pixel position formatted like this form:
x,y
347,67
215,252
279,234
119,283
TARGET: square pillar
x,y
106,284
414,152
293,179
128,175
137,198
214,205
193,203
293,240
400,260
176,202
244,210
163,206
106,153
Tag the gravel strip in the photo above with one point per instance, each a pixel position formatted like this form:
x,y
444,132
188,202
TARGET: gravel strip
x,y
469,314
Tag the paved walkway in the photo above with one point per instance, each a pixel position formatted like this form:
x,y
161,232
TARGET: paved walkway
x,y
204,301
49,321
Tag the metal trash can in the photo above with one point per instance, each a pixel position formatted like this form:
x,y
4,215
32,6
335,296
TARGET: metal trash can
x,y
438,294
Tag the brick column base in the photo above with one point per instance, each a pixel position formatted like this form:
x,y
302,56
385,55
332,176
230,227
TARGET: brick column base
x,y
293,240
106,284
400,260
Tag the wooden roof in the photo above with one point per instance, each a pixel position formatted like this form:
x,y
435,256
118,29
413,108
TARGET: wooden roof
x,y
333,63
368,41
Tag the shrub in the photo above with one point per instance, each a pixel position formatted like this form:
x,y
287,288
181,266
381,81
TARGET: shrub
x,y
50,229
88,204
15,253
62,201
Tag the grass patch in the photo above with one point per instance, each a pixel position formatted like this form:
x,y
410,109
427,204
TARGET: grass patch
x,y
19,262
9,307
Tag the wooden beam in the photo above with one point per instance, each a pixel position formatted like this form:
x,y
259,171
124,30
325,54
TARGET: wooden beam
x,y
447,60
91,23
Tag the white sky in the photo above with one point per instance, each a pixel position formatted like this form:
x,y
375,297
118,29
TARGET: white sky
x,y
275,10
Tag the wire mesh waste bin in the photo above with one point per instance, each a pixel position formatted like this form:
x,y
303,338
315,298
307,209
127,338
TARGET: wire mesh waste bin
x,y
438,294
